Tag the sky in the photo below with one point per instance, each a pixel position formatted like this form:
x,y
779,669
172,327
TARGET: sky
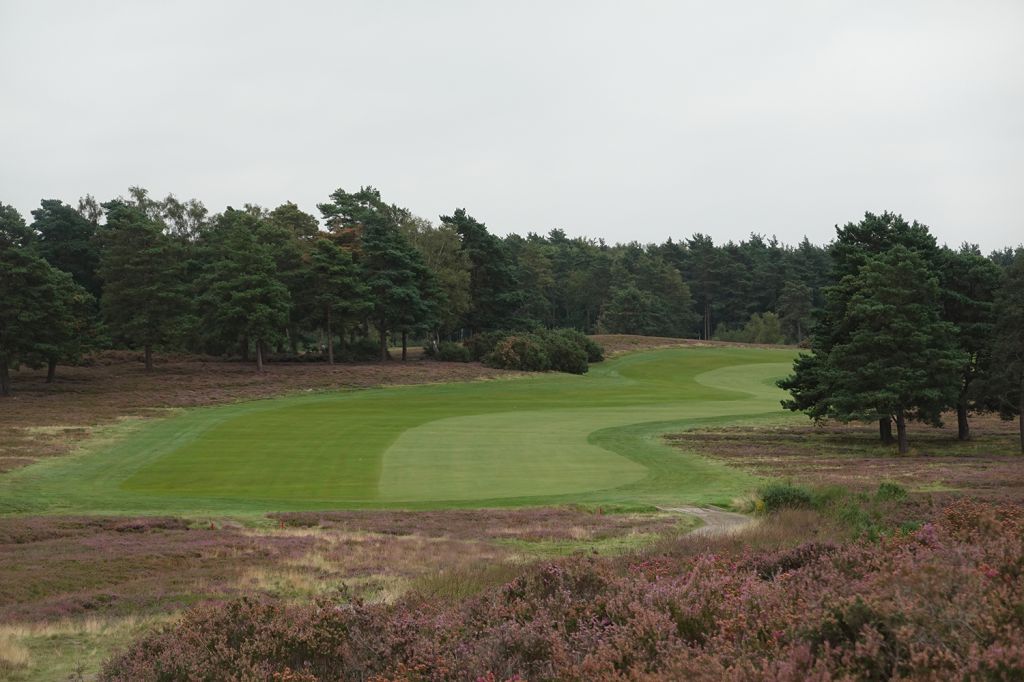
x,y
633,120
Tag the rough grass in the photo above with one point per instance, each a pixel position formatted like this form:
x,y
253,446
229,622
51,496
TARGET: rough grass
x,y
849,455
74,588
790,598
547,439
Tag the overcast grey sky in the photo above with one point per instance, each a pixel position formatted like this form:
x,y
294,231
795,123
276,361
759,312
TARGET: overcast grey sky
x,y
624,120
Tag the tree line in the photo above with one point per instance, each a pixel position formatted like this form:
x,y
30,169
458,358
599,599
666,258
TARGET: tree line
x,y
164,274
909,330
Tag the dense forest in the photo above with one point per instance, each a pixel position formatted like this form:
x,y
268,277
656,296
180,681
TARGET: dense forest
x,y
899,327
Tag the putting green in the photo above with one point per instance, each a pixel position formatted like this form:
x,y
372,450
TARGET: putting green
x,y
541,439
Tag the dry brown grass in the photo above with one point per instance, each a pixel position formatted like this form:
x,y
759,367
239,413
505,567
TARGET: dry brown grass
x,y
850,455
616,344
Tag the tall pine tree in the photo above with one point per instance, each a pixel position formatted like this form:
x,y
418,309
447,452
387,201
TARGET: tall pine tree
x,y
897,358
144,293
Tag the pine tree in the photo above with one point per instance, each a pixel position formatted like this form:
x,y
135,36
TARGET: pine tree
x,y
969,283
396,278
855,244
243,299
1007,377
336,290
40,306
144,297
897,359
68,242
493,289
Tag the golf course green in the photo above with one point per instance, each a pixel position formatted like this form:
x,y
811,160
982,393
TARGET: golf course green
x,y
541,439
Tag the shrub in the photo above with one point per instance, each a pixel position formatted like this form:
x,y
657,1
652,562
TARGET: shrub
x,y
940,603
448,351
594,350
563,350
564,353
483,343
361,350
784,496
525,352
890,491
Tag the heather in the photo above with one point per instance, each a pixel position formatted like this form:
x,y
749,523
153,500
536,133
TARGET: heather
x,y
945,601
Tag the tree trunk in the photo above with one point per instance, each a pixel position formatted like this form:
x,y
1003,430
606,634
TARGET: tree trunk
x,y
245,349
147,350
51,370
259,355
383,344
1020,418
799,333
963,427
330,339
901,433
293,341
885,430
5,377
405,340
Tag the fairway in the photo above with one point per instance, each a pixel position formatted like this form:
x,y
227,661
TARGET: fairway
x,y
550,438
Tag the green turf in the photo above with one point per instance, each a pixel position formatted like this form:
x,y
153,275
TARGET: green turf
x,y
551,438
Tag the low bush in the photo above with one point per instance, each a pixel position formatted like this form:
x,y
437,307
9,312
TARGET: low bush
x,y
784,496
448,351
594,350
564,353
562,350
525,352
483,344
890,491
360,350
942,602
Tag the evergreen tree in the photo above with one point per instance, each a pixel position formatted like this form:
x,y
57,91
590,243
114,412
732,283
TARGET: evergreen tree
x,y
969,283
855,244
336,290
395,275
299,223
13,230
1007,378
68,242
794,309
243,299
144,297
70,330
493,290
630,311
26,294
897,358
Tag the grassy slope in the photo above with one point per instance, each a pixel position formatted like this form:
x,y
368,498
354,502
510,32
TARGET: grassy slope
x,y
544,439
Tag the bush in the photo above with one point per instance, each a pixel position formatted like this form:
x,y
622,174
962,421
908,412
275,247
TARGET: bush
x,y
362,350
564,353
563,350
940,603
525,352
483,343
594,351
448,351
890,491
784,496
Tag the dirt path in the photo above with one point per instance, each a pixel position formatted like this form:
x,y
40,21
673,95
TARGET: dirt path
x,y
716,521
